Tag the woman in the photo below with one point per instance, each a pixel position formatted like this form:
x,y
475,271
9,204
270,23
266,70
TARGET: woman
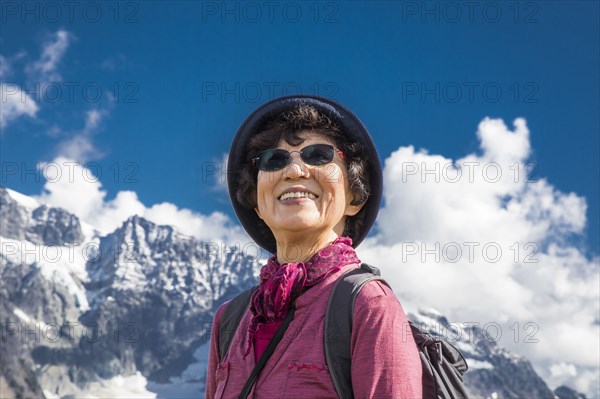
x,y
306,184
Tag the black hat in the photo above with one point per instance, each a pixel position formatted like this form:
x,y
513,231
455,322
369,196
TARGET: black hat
x,y
350,126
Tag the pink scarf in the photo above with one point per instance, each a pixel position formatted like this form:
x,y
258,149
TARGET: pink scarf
x,y
281,285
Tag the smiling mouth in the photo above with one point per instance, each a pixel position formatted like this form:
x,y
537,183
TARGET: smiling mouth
x,y
296,195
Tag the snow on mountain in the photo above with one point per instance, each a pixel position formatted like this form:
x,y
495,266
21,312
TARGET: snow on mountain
x,y
119,387
61,265
23,200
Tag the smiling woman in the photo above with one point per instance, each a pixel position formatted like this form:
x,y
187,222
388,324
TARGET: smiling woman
x,y
306,185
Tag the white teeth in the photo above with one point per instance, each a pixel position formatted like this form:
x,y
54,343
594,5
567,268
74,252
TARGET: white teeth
x,y
297,195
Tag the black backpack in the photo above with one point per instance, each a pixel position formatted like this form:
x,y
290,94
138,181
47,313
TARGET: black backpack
x,y
443,365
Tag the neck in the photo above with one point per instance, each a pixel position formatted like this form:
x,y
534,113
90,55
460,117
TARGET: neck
x,y
301,249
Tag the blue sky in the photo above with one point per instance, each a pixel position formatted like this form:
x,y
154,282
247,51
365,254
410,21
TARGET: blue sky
x,y
147,96
416,73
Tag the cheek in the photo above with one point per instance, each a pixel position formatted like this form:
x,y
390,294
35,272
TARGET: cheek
x,y
264,189
333,182
329,174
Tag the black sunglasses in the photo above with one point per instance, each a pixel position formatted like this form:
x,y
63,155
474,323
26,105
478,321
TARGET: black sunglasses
x,y
278,158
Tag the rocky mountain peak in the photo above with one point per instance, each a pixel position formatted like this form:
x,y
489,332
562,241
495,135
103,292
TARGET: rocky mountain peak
x,y
564,392
46,225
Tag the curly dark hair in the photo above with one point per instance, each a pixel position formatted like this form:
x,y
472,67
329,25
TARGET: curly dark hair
x,y
288,125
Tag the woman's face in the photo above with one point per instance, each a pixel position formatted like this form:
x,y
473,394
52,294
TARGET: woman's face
x,y
322,212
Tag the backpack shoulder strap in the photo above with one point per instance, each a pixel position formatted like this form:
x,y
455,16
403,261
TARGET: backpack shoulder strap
x,y
232,315
338,325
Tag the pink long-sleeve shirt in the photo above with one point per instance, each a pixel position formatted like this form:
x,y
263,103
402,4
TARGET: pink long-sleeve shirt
x,y
385,360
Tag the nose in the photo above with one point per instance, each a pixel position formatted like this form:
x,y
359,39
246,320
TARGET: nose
x,y
297,168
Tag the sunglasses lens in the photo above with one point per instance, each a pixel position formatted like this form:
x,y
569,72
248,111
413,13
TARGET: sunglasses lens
x,y
317,154
274,159
277,158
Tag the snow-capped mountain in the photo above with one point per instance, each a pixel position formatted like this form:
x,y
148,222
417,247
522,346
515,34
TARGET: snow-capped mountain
x,y
81,311
129,314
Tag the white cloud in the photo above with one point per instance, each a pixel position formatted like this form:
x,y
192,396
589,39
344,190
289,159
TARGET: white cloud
x,y
45,69
5,68
7,64
204,227
14,103
76,189
217,171
444,221
92,120
562,368
582,379
80,146
115,62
